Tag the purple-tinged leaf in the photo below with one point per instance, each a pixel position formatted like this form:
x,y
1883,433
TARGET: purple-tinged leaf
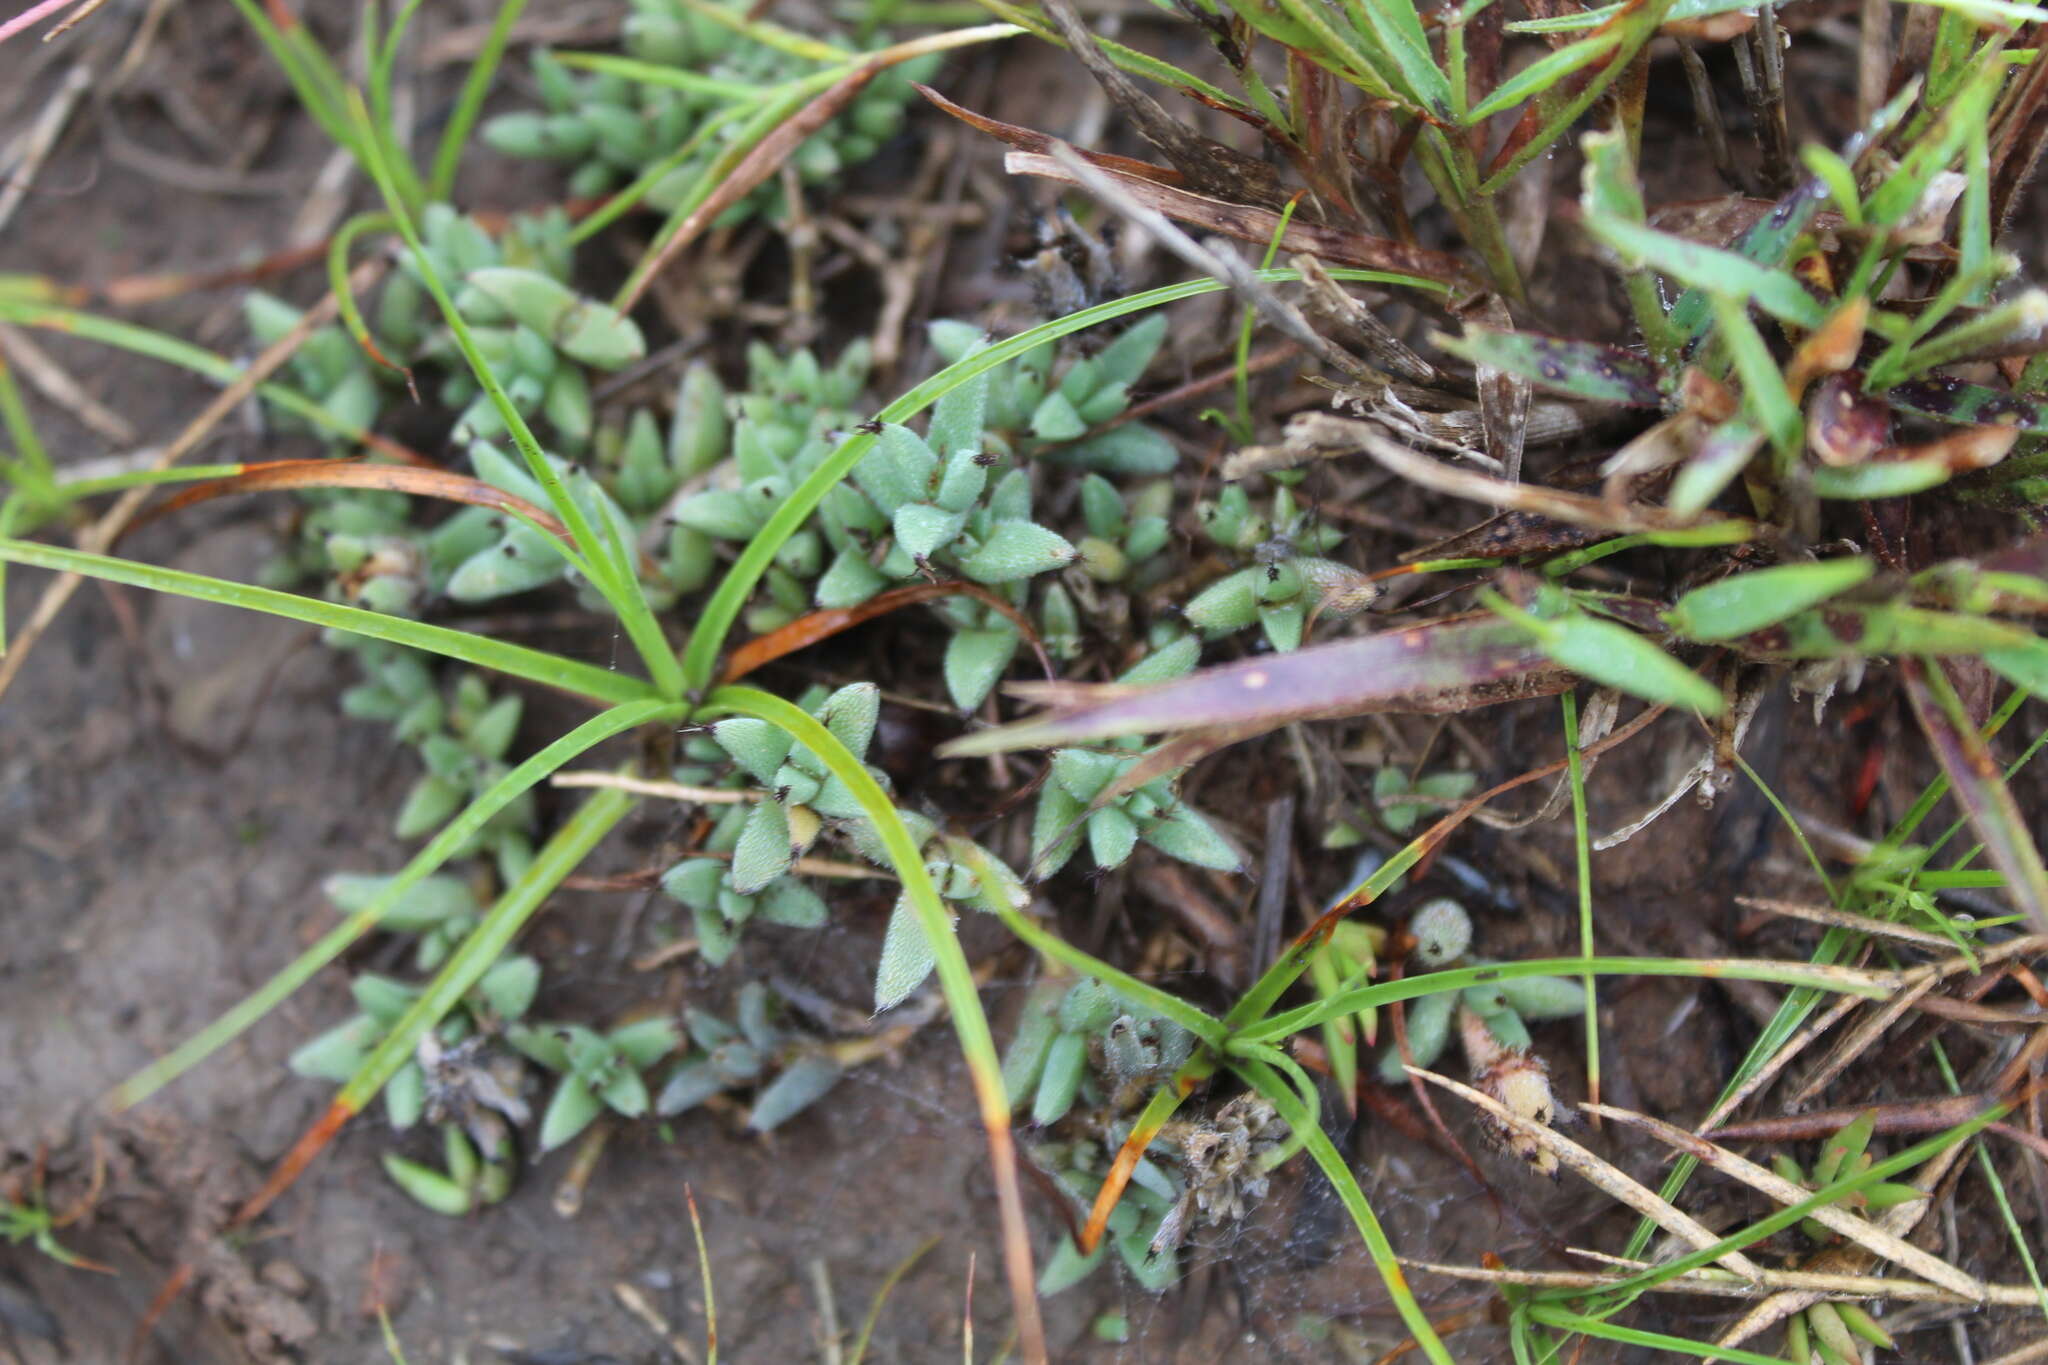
x,y
1581,369
1436,667
1979,788
1951,400
1844,425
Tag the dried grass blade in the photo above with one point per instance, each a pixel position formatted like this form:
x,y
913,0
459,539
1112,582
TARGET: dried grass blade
x,y
274,475
1872,1238
1842,919
1249,224
1979,787
1570,508
1598,1173
1439,666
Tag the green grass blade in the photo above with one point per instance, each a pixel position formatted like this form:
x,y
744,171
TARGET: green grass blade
x,y
29,312
1127,59
670,77
700,655
534,665
1842,979
1625,1289
1541,74
1262,1078
1979,789
469,105
1633,1336
1582,846
1167,1005
1711,269
1763,384
615,579
956,977
1397,25
30,469
1635,28
337,274
313,77
438,850
555,860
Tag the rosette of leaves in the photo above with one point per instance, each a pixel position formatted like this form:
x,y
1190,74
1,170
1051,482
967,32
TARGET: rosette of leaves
x,y
1837,1333
1034,415
1083,1044
1343,962
787,1071
462,742
1389,785
1125,536
498,1000
1079,1166
537,333
599,1071
518,555
328,368
1442,930
1289,580
1072,808
916,506
785,424
760,841
614,127
468,1179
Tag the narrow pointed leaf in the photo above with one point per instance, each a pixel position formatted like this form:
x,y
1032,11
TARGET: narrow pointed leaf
x,y
1979,788
1580,369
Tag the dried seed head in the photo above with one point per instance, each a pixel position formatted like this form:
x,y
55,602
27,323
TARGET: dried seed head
x,y
1515,1078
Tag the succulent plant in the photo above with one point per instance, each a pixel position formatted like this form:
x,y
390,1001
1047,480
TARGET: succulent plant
x,y
1124,538
787,1071
469,1177
616,129
1389,785
498,1000
1035,415
462,742
1442,930
915,506
1079,1165
1288,582
761,840
518,556
1839,1333
1069,1034
537,333
328,367
599,1071
1068,811
1081,1053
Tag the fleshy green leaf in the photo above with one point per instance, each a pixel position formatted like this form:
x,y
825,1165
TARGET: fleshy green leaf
x,y
764,851
1017,549
907,958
